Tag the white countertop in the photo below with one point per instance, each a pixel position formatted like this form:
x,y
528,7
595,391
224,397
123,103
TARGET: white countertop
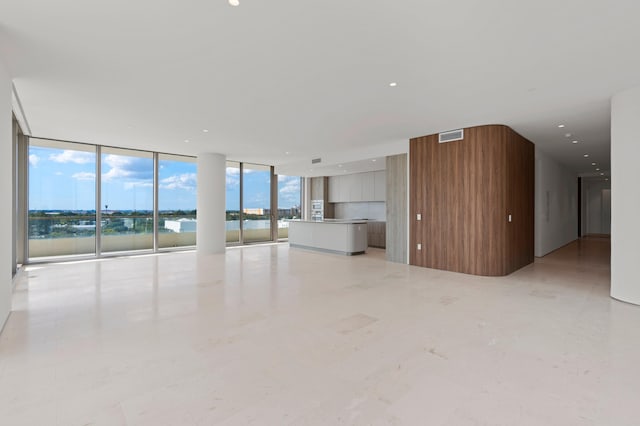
x,y
333,221
338,220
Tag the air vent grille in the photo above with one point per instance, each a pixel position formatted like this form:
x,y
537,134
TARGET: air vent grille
x,y
316,160
454,135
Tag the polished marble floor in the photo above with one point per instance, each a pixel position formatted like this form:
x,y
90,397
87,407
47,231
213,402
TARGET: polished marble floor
x,y
269,335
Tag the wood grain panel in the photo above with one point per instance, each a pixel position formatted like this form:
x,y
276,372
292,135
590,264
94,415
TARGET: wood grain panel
x,y
521,199
396,208
464,191
417,175
376,234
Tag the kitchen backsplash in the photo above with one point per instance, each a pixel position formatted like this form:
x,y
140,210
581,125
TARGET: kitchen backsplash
x,y
367,210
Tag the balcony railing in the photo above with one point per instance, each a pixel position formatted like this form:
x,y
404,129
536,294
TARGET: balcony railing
x,y
67,235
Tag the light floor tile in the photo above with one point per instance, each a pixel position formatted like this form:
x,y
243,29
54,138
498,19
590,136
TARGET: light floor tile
x,y
270,335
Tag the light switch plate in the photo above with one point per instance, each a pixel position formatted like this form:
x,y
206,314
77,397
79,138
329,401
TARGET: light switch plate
x,y
419,246
418,216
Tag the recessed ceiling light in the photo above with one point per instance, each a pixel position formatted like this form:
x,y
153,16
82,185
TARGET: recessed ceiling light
x,y
598,169
234,2
205,130
593,164
339,165
374,160
606,178
586,156
393,84
286,153
601,174
186,141
567,135
561,125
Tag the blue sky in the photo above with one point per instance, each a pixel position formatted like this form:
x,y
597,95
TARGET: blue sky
x,y
256,189
65,180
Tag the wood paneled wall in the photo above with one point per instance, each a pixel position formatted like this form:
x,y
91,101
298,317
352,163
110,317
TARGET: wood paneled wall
x,y
465,191
320,191
396,205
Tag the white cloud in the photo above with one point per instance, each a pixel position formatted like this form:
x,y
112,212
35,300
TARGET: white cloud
x,y
118,161
184,181
59,174
84,176
291,185
289,191
69,156
139,184
233,176
34,160
115,173
135,171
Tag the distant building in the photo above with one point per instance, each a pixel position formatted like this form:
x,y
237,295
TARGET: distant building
x,y
181,225
253,211
84,226
292,212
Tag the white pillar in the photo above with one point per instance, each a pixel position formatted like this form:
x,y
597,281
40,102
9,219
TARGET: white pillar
x,y
6,220
625,196
211,232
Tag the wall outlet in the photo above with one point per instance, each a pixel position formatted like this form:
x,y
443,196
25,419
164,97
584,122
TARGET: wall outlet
x,y
418,216
419,246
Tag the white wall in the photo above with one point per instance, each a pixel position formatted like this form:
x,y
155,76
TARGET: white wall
x,y
596,205
369,210
625,196
556,214
7,194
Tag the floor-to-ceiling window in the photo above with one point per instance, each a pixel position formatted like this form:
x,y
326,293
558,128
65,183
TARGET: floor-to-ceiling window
x,y
289,202
20,153
249,203
233,201
86,199
176,201
126,200
61,198
256,203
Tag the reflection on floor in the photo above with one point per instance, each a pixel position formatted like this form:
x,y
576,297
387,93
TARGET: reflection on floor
x,y
274,336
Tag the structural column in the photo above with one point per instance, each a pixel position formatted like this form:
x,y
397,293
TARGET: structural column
x,y
625,198
211,232
6,220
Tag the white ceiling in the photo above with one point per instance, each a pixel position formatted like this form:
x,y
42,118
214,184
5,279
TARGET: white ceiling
x,y
311,78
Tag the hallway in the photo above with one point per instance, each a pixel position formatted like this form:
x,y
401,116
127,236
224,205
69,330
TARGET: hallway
x,y
271,335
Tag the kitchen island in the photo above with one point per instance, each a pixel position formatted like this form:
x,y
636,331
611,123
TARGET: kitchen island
x,y
334,236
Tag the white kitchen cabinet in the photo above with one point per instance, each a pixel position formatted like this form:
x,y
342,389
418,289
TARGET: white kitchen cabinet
x,y
338,189
358,187
340,193
336,237
380,185
333,189
368,187
354,183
